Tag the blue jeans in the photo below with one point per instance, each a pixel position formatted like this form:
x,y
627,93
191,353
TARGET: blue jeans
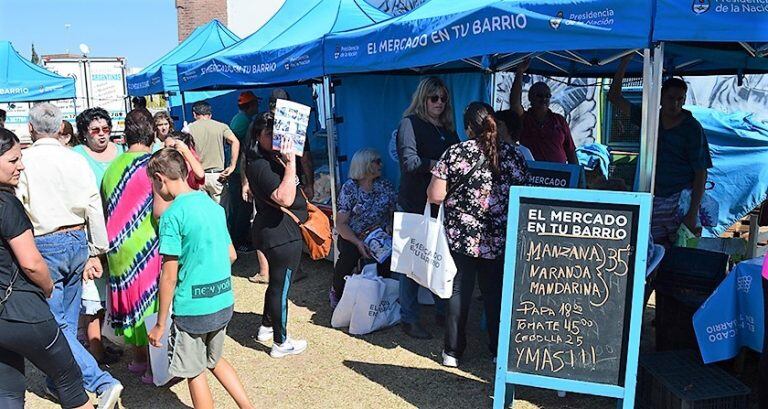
x,y
66,254
409,300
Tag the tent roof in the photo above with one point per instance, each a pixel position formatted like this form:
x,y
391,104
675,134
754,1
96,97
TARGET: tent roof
x,y
713,37
22,81
287,48
160,76
568,37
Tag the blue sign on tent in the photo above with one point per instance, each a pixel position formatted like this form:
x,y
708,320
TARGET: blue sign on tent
x,y
22,81
483,33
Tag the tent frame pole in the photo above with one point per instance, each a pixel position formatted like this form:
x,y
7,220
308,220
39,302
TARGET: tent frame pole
x,y
183,110
653,65
330,130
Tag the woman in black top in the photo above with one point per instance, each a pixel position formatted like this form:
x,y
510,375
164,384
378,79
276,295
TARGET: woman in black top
x,y
27,327
274,184
425,132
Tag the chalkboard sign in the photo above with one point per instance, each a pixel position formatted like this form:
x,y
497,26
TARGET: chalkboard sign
x,y
551,174
573,290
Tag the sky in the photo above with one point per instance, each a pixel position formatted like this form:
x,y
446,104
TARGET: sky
x,y
139,30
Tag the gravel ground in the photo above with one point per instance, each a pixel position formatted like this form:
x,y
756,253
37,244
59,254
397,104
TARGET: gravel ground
x,y
382,370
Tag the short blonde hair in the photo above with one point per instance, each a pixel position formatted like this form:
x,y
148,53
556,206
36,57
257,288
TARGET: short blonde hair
x,y
427,88
362,162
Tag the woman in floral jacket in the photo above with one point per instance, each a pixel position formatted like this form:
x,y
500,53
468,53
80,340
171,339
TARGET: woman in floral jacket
x,y
472,180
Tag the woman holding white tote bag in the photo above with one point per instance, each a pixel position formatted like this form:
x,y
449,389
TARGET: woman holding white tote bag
x,y
478,173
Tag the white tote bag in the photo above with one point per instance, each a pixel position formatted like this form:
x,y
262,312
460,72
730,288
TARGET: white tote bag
x,y
376,305
433,265
158,357
369,303
342,314
408,232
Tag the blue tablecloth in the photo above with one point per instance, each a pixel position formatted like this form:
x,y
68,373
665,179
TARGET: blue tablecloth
x,y
732,317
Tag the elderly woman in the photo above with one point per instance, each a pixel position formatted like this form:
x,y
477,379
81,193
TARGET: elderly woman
x,y
128,197
425,132
472,180
163,129
27,327
94,125
366,202
544,132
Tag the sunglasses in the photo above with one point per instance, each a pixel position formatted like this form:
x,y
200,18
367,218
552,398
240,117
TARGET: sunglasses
x,y
99,131
542,95
435,98
377,161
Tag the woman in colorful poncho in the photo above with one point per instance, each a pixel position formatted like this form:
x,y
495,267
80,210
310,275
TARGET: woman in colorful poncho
x,y
134,261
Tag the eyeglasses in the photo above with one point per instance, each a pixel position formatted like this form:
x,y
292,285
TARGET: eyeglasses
x,y
99,131
377,161
435,98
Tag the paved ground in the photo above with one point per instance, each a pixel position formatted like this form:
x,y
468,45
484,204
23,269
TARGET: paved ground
x,y
381,370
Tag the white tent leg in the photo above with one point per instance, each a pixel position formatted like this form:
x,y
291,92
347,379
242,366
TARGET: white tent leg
x,y
653,64
330,129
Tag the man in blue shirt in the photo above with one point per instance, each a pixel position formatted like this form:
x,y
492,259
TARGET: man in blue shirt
x,y
682,158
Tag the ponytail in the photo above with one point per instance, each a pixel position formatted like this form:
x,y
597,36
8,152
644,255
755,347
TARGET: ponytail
x,y
479,119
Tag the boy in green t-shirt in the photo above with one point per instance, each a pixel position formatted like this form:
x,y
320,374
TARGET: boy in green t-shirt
x,y
197,259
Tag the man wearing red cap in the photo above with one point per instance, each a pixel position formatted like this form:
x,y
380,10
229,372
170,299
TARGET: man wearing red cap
x,y
240,210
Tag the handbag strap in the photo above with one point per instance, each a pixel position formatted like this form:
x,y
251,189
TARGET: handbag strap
x,y
285,209
465,178
9,289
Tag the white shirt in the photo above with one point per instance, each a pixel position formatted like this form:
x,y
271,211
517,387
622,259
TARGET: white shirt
x,y
58,189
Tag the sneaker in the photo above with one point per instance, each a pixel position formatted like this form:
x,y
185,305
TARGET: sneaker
x,y
108,398
450,361
333,298
289,347
265,333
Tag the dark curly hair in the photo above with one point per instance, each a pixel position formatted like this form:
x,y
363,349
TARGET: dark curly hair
x,y
85,118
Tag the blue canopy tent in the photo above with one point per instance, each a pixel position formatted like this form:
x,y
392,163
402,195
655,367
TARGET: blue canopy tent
x,y
22,81
706,38
287,49
160,76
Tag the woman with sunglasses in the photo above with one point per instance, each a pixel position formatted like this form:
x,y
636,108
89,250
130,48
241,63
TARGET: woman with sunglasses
x,y
544,132
366,203
94,125
425,132
27,327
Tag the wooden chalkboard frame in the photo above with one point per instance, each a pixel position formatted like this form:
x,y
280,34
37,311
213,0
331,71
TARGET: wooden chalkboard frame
x,y
505,379
574,170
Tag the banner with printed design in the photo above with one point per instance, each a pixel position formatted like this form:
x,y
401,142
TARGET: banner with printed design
x,y
733,316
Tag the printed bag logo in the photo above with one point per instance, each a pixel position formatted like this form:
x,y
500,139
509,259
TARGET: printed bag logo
x,y
701,6
555,21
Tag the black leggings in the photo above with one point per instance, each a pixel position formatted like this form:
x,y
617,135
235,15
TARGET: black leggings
x,y
349,256
489,275
44,346
283,262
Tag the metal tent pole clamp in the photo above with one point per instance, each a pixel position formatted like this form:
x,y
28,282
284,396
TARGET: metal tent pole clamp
x,y
330,130
653,64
